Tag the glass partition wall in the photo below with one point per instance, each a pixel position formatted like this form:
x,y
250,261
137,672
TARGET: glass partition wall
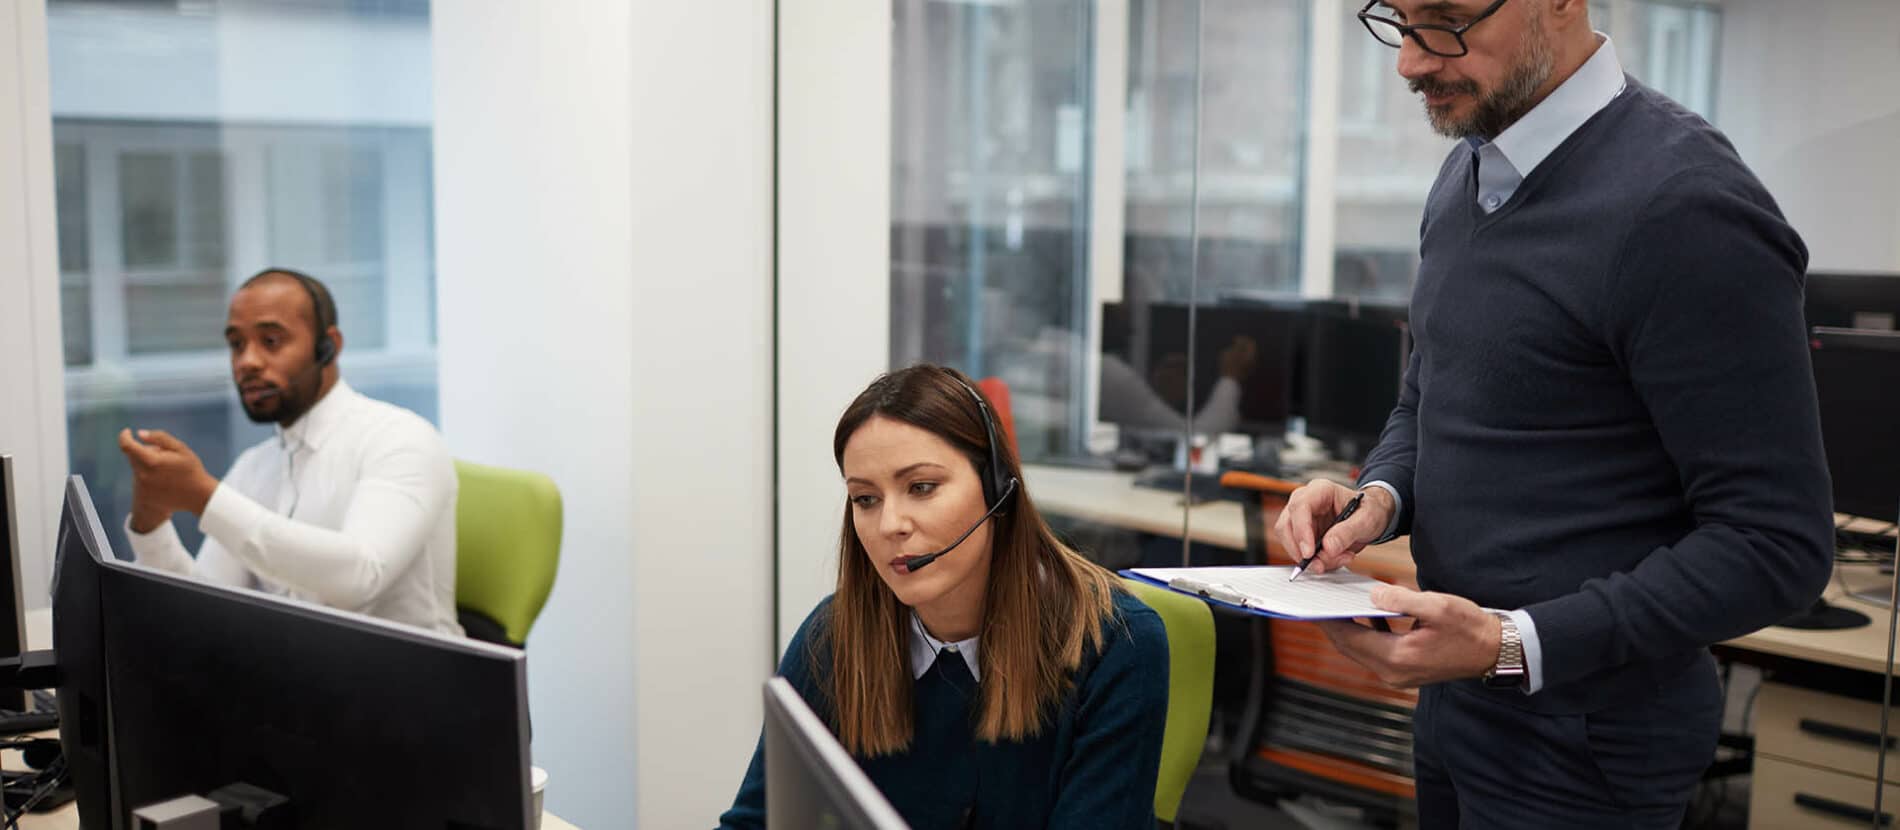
x,y
1183,234
194,146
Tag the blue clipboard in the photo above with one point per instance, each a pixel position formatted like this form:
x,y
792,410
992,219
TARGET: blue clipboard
x,y
1378,620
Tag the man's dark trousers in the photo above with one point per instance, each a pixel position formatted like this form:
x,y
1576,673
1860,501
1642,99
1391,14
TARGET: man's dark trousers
x,y
1482,761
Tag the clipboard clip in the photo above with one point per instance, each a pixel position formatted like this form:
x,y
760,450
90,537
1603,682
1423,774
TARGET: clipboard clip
x,y
1210,590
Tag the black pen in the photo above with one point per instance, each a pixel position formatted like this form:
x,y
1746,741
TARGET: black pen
x,y
1351,508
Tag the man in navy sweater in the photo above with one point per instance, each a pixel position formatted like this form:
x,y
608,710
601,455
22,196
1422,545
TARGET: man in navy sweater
x,y
1607,433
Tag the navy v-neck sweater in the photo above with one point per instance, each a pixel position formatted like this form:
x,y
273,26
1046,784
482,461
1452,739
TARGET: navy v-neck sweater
x,y
1094,765
1609,418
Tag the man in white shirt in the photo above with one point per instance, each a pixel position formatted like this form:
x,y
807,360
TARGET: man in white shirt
x,y
1158,401
351,504
1130,401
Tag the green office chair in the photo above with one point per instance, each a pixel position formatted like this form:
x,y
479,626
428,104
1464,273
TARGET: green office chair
x,y
507,548
1190,627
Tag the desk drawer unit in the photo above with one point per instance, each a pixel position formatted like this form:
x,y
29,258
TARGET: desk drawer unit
x,y
1790,796
1823,730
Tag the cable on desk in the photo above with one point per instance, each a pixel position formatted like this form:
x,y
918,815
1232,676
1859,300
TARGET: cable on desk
x,y
46,782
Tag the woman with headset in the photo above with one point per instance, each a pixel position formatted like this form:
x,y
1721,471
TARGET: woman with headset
x,y
981,672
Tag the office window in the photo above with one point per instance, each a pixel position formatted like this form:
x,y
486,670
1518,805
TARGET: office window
x,y
327,211
193,147
1388,156
1246,62
75,299
173,246
1674,46
989,222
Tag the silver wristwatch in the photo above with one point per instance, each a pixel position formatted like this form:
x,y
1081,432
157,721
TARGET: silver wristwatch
x,y
1509,673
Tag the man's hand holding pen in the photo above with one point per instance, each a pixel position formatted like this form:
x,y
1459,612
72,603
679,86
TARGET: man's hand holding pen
x,y
1308,525
1325,524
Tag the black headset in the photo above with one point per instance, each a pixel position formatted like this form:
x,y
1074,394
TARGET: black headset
x,y
321,304
998,484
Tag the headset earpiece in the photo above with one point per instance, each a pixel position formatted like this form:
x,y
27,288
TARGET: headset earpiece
x,y
998,484
323,308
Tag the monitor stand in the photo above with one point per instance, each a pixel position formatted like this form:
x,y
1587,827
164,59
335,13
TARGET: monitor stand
x,y
1824,617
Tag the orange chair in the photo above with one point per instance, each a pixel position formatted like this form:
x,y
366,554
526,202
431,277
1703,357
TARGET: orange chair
x,y
998,392
1316,722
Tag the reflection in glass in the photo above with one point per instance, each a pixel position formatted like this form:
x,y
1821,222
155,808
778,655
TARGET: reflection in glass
x,y
193,145
75,295
1251,58
989,201
148,209
1388,156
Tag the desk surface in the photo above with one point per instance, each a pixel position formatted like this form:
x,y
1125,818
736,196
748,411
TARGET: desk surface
x,y
39,634
67,817
1861,649
1110,498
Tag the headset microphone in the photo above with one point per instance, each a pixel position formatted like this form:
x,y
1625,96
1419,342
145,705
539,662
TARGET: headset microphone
x,y
916,563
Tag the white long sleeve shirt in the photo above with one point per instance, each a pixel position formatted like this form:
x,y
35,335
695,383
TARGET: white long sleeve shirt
x,y
1128,400
353,506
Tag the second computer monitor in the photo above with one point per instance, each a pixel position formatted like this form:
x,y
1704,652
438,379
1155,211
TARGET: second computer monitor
x,y
1855,375
1351,377
358,721
810,780
1867,301
12,612
1165,360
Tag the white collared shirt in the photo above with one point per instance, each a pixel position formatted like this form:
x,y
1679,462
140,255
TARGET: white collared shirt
x,y
353,506
923,650
1504,163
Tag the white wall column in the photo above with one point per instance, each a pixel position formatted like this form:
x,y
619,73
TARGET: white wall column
x,y
1108,185
834,268
1320,208
32,387
603,181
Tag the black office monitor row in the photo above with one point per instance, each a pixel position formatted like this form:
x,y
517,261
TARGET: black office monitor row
x,y
12,611
1336,365
171,687
1864,301
1857,380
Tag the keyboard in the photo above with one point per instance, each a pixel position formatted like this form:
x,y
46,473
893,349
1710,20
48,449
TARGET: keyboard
x,y
43,716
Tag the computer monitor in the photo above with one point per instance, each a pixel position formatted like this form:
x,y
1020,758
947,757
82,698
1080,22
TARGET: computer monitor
x,y
1855,375
1161,338
78,642
1351,376
1868,301
182,688
12,614
810,780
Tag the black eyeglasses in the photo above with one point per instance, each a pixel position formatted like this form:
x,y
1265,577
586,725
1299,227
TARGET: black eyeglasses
x,y
1443,41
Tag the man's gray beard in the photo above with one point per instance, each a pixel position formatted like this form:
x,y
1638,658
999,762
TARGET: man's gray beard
x,y
1512,99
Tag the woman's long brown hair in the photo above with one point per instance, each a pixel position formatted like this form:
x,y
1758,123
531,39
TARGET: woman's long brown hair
x,y
1044,607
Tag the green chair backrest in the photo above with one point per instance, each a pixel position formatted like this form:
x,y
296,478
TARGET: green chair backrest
x,y
1190,627
507,544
